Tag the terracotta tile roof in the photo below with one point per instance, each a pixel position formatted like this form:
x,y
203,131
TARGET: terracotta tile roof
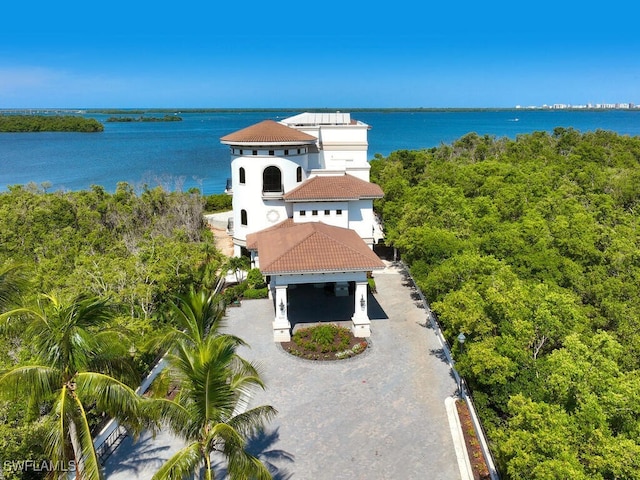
x,y
252,239
312,247
333,187
268,132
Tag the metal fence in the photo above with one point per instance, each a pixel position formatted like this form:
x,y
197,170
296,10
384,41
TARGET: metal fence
x,y
112,435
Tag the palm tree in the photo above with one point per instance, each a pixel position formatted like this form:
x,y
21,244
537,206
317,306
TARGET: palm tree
x,y
76,362
196,315
237,265
207,410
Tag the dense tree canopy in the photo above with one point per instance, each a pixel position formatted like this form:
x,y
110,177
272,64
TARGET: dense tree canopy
x,y
44,123
136,249
531,248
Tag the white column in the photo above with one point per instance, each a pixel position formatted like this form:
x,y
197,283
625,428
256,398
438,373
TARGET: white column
x,y
360,323
281,324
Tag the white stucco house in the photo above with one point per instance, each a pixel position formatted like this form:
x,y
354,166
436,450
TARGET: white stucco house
x,y
303,207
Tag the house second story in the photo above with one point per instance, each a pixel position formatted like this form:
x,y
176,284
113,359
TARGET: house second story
x,y
301,170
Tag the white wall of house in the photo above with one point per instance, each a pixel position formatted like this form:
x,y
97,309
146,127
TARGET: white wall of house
x,y
362,220
342,146
338,213
262,209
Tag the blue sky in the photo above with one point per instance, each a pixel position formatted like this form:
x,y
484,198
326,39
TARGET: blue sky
x,y
316,54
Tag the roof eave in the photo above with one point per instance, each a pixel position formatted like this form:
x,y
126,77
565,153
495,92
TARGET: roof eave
x,y
266,144
332,199
320,199
266,271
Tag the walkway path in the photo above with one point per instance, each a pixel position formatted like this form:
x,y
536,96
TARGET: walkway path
x,y
218,225
380,415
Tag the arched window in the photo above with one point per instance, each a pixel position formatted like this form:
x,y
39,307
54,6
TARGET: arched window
x,y
299,174
271,180
243,217
242,175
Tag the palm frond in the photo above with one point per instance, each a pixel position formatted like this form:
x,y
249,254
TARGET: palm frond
x,y
58,446
111,396
252,421
15,321
241,464
182,465
62,334
197,315
12,282
35,381
162,412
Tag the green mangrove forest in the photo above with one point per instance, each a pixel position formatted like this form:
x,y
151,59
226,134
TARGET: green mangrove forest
x,y
531,248
49,123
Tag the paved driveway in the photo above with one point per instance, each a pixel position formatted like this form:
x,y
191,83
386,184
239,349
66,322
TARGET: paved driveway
x,y
380,415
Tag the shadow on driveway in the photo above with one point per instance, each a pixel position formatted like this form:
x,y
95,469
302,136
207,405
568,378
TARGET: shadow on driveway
x,y
309,304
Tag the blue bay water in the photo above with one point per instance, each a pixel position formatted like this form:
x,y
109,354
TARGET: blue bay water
x,y
181,155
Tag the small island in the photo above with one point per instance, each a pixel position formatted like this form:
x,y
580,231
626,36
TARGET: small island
x,y
48,123
142,118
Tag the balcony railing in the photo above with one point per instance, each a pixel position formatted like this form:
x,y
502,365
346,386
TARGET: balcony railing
x,y
273,191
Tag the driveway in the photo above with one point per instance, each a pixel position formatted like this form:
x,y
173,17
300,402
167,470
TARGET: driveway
x,y
380,415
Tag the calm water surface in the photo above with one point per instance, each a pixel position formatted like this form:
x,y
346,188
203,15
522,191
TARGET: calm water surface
x,y
189,154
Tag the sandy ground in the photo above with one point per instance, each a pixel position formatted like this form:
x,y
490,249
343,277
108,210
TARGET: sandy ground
x,y
218,225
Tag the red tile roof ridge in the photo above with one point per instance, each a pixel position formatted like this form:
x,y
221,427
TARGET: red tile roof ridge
x,y
268,132
334,187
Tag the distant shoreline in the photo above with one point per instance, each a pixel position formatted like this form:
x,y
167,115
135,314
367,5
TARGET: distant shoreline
x,y
142,118
139,111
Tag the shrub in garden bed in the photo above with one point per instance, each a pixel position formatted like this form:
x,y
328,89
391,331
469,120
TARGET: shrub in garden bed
x,y
326,341
250,293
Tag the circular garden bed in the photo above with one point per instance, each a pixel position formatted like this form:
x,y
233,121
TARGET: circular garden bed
x,y
326,341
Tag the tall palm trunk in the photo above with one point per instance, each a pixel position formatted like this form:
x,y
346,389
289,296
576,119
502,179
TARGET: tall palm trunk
x,y
208,475
77,449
